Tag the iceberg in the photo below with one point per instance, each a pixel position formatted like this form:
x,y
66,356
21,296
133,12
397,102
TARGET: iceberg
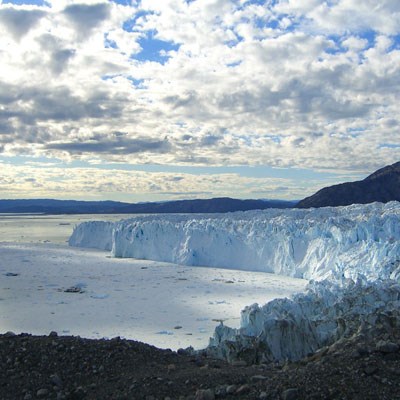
x,y
350,255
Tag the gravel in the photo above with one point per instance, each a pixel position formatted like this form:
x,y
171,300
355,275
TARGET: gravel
x,y
65,367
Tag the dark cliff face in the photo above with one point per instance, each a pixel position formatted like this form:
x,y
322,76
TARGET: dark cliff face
x,y
383,186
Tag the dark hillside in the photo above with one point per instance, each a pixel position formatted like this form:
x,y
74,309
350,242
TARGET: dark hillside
x,y
382,186
217,205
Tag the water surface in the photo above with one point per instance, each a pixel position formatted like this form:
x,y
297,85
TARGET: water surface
x,y
40,228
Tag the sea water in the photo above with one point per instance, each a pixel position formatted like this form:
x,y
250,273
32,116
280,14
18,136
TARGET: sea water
x,y
166,305
41,228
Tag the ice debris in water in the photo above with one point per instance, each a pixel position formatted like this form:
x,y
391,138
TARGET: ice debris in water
x,y
334,246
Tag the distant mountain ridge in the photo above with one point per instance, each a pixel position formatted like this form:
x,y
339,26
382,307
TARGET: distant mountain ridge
x,y
383,186
215,205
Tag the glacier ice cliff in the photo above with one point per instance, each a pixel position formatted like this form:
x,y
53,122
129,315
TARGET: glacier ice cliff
x,y
290,329
312,244
93,234
351,254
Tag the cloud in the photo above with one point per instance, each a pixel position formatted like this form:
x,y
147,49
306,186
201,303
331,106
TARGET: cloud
x,y
294,84
57,104
19,21
117,146
59,56
49,180
344,16
86,17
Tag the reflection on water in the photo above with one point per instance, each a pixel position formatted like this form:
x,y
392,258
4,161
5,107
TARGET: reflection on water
x,y
39,228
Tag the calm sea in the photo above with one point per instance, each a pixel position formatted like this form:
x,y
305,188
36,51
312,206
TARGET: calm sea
x,y
37,228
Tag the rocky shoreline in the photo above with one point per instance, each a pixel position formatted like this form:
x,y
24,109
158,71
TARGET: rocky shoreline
x,y
365,366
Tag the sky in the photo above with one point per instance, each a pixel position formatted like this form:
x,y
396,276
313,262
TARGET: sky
x,y
158,100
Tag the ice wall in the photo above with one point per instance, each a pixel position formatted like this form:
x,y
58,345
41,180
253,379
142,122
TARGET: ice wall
x,y
93,234
312,244
289,329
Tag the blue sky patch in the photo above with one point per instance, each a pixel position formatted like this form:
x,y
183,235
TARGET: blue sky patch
x,y
137,83
262,23
108,43
123,2
259,2
337,46
155,50
234,64
396,43
130,24
233,43
370,36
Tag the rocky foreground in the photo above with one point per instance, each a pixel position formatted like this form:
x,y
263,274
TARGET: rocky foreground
x,y
61,367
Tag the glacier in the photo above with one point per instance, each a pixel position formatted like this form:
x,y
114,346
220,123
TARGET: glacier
x,y
341,250
93,235
328,243
290,329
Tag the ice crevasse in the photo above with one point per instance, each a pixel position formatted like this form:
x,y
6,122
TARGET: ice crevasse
x,y
333,246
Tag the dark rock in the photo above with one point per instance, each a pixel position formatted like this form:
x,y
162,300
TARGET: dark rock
x,y
128,369
239,363
290,394
42,393
220,391
79,393
370,369
205,394
257,378
362,351
392,356
74,289
56,380
230,389
387,347
243,389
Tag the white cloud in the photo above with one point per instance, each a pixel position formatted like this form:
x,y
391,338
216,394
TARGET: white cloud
x,y
296,84
49,180
127,42
344,16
